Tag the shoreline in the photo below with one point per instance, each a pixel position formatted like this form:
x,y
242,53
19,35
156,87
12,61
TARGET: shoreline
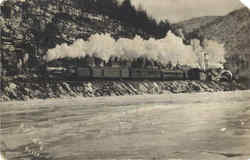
x,y
143,97
21,91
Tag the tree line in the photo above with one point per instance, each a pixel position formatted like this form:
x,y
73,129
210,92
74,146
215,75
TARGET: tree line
x,y
126,12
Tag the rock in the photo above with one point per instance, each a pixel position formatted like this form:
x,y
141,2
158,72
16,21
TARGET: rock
x,y
141,88
36,93
19,91
176,88
68,90
4,98
11,91
88,87
12,86
195,86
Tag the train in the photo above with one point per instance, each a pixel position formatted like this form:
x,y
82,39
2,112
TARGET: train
x,y
117,73
93,68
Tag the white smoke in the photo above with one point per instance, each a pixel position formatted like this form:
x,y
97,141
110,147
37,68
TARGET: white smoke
x,y
171,48
216,53
1,1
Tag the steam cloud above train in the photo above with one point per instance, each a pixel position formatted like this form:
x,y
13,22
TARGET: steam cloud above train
x,y
171,48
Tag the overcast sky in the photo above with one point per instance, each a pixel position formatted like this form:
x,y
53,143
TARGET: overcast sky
x,y
178,10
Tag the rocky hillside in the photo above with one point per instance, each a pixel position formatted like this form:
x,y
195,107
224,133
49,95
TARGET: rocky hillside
x,y
189,26
29,28
233,30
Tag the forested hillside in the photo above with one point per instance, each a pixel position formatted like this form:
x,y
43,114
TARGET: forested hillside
x,y
29,28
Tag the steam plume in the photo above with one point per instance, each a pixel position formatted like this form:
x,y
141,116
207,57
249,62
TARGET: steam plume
x,y
171,48
216,53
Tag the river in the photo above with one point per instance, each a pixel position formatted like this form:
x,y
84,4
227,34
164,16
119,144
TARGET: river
x,y
148,127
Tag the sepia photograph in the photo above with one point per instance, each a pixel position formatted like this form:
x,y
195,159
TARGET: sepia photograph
x,y
124,80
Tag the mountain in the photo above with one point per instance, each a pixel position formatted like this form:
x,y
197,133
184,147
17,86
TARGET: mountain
x,y
233,30
191,25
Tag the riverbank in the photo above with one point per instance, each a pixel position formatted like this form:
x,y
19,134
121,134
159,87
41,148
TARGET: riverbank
x,y
20,90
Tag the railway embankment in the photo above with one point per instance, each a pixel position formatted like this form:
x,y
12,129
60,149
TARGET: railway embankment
x,y
20,90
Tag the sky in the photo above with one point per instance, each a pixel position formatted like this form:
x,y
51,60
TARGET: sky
x,y
179,10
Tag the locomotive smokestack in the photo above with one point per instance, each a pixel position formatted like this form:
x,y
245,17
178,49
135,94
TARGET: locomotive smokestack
x,y
205,61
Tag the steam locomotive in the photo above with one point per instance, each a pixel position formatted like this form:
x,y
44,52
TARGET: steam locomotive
x,y
86,73
139,70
